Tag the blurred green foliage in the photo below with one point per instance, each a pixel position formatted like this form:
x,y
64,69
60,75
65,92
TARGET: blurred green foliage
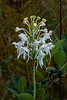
x,y
12,13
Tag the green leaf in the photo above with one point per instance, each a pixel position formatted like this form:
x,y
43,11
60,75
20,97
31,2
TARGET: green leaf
x,y
64,36
64,46
8,60
13,91
26,96
40,93
57,46
64,50
15,79
60,58
22,85
38,73
45,97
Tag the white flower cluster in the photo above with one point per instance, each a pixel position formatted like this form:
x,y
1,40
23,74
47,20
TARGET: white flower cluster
x,y
36,42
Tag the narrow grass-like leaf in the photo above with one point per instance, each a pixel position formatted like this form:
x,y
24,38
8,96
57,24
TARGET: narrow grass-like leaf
x,y
13,91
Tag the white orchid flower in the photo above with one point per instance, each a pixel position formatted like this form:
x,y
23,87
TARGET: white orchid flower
x,y
48,47
47,35
32,41
42,24
23,38
42,40
18,44
35,44
40,58
19,52
24,51
42,30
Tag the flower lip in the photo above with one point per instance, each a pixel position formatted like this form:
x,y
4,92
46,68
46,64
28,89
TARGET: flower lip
x,y
49,45
45,30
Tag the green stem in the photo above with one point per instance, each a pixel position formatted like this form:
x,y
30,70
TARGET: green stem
x,y
34,94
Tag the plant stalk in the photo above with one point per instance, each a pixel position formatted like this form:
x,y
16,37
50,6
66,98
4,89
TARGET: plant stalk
x,y
60,89
34,93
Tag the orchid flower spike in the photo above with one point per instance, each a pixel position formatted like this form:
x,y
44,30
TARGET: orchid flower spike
x,y
35,43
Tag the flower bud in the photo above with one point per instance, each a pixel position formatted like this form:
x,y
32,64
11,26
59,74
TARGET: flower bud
x,y
25,20
35,24
38,18
44,20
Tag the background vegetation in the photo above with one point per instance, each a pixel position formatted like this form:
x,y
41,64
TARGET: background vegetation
x,y
12,13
